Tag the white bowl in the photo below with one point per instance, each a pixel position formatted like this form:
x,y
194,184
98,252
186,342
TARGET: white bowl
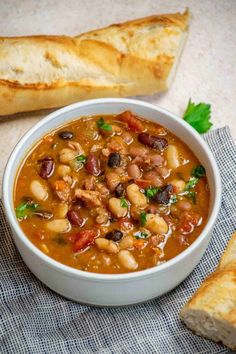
x,y
116,289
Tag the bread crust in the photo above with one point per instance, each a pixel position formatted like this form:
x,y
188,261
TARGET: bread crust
x,y
133,58
211,312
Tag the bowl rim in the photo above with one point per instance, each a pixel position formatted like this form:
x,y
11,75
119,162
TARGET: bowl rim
x,y
73,272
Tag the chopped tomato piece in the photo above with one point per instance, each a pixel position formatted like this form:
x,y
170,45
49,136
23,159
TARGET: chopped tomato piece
x,y
83,239
140,244
143,183
133,122
60,185
188,221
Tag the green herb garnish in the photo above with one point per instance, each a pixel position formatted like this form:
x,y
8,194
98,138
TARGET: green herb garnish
x,y
123,202
25,209
198,116
103,125
198,171
191,183
81,158
141,234
143,218
151,192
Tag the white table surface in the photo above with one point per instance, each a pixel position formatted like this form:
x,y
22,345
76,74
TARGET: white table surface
x,y
207,71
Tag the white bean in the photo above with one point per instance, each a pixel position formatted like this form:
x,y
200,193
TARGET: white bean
x,y
66,155
172,157
116,208
127,260
156,224
178,185
59,225
38,190
107,245
135,196
63,170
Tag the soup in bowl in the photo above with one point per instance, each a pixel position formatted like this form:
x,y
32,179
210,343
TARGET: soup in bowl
x,y
111,201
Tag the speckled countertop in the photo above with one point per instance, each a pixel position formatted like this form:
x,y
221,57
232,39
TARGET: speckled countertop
x,y
207,71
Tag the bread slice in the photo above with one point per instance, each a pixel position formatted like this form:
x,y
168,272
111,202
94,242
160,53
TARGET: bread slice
x,y
211,312
133,58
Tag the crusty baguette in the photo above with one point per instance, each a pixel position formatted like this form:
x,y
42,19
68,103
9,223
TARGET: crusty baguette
x,y
211,312
133,58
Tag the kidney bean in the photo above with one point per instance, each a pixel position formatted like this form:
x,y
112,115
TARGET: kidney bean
x,y
119,191
163,197
154,179
74,218
66,135
114,160
115,235
47,167
93,165
152,141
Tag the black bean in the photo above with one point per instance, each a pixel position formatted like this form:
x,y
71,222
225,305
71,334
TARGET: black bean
x,y
119,190
163,196
66,135
153,141
114,160
115,235
43,214
47,167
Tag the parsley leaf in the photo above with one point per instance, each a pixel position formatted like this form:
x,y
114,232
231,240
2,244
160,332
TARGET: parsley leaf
x,y
198,116
25,208
81,158
151,192
191,183
103,125
140,234
143,218
123,202
198,171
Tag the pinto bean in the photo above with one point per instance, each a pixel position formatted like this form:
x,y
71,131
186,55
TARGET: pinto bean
x,y
127,260
59,225
133,171
127,242
93,165
127,137
140,151
154,178
112,180
47,167
38,190
184,205
135,196
156,159
153,141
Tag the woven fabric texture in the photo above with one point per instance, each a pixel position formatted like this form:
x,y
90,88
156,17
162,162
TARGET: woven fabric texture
x,y
34,319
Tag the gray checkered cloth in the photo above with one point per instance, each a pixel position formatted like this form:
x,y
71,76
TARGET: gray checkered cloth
x,y
34,319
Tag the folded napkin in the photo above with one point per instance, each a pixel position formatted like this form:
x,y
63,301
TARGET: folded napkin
x,y
34,319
